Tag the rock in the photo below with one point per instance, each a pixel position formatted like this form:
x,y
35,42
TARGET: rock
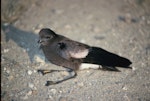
x,y
29,93
64,73
29,72
133,68
82,41
37,28
34,92
124,88
31,85
34,71
10,77
6,50
53,91
81,84
5,69
39,59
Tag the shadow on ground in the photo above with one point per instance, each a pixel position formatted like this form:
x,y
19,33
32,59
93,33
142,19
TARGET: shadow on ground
x,y
24,39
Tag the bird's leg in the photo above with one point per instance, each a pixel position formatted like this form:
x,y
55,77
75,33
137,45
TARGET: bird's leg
x,y
72,74
43,72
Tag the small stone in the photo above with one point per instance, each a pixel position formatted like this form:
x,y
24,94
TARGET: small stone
x,y
34,92
82,41
6,50
24,50
37,31
10,77
60,91
39,59
31,85
37,28
64,73
133,68
53,91
5,69
29,93
34,71
6,24
80,84
50,97
124,88
29,72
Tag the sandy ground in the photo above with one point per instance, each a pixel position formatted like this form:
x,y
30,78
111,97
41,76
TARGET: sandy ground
x,y
119,26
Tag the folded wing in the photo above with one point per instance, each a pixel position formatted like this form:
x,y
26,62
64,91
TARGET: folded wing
x,y
72,49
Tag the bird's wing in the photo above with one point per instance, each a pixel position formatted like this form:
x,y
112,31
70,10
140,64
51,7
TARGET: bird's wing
x,y
71,49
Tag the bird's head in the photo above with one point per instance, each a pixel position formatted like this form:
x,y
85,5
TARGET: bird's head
x,y
46,36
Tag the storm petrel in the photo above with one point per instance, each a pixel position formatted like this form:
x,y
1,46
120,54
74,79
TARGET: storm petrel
x,y
74,55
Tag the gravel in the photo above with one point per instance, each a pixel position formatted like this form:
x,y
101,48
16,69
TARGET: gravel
x,y
121,27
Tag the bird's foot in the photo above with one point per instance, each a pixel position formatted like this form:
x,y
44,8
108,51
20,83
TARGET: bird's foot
x,y
43,72
48,83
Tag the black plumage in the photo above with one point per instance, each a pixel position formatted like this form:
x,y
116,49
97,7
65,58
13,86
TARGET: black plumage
x,y
71,54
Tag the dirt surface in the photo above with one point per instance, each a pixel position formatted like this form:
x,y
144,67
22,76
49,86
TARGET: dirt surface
x,y
119,26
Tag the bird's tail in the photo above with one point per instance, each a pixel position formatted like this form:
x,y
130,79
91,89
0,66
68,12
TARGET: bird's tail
x,y
107,59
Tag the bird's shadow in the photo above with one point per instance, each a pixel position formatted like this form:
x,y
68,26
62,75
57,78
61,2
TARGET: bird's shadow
x,y
24,39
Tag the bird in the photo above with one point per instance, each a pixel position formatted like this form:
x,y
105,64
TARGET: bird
x,y
75,56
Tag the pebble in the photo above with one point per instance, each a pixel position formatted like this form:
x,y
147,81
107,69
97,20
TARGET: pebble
x,y
64,73
37,31
81,84
82,41
5,69
29,93
10,77
29,72
39,59
124,88
133,68
6,50
53,91
34,92
34,71
31,85
37,28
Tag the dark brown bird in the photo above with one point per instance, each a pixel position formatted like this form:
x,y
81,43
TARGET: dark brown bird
x,y
74,55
